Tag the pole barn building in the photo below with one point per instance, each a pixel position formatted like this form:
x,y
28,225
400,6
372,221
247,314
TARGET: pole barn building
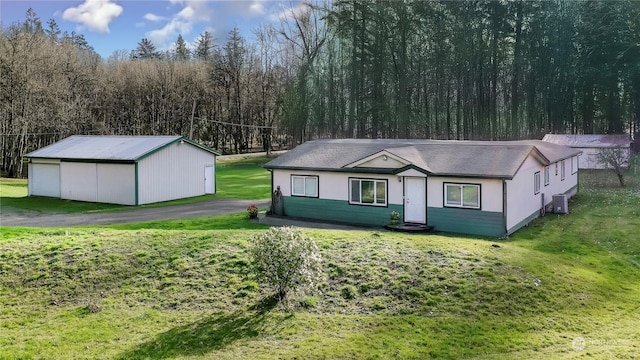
x,y
127,170
593,144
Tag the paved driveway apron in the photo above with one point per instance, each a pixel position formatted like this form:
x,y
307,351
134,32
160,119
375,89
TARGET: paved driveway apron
x,y
205,208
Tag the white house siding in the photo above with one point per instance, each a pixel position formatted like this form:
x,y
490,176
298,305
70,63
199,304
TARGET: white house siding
x,y
490,191
116,183
523,204
174,172
333,194
556,184
335,185
44,178
488,220
78,181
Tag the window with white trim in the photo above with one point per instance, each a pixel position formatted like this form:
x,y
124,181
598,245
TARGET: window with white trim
x,y
572,169
562,170
546,175
304,185
536,182
462,195
368,192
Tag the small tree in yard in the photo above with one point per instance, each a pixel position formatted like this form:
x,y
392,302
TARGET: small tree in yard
x,y
615,159
286,259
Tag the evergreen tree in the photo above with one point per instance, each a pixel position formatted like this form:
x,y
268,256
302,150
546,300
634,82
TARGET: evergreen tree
x,y
53,30
145,51
204,47
181,52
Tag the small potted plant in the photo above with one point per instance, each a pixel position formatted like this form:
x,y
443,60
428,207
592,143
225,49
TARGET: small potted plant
x,y
395,217
252,211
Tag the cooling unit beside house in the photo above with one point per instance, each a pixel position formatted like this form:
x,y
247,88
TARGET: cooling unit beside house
x,y
560,204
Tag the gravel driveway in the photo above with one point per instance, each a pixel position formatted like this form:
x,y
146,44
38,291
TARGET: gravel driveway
x,y
205,208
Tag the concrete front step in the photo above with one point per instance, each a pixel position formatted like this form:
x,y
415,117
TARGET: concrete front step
x,y
410,227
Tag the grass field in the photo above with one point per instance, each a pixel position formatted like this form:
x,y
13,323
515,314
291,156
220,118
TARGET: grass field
x,y
241,179
563,287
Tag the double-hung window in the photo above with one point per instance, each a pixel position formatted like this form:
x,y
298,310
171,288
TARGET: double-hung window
x,y
368,192
572,168
536,182
304,185
546,176
562,170
462,196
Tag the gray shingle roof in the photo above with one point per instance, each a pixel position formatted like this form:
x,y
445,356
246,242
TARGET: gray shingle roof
x,y
590,140
114,148
500,159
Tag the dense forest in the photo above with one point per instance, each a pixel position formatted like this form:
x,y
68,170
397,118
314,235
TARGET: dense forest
x,y
357,68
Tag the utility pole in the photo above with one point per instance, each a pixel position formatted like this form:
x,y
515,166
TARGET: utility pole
x,y
193,111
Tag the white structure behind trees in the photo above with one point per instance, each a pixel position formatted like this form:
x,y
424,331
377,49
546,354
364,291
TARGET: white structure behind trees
x,y
592,145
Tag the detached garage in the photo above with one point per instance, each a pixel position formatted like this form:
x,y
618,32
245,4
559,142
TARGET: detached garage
x,y
127,170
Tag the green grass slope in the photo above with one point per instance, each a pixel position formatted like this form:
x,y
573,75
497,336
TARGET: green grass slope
x,y
564,287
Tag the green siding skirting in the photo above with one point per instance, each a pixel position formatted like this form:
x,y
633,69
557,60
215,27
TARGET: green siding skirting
x,y
338,211
466,221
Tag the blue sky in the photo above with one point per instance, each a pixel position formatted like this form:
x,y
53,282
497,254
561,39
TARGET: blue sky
x,y
110,25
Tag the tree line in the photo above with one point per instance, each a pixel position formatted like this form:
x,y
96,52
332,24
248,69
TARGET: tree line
x,y
54,85
346,68
471,70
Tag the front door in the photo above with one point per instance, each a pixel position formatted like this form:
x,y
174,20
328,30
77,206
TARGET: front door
x,y
415,200
209,187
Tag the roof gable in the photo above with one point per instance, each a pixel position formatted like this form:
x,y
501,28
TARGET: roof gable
x,y
109,148
382,159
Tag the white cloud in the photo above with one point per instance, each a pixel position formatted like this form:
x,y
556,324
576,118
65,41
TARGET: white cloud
x,y
256,8
192,12
94,14
288,13
153,17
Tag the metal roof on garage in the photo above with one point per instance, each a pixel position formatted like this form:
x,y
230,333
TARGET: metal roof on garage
x,y
109,147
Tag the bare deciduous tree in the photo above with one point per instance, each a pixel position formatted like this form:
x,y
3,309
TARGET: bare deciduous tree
x,y
616,159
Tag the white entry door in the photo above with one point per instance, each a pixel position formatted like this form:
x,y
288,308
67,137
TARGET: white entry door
x,y
209,187
415,200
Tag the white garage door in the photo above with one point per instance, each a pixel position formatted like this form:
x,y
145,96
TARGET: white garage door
x,y
117,184
44,180
79,181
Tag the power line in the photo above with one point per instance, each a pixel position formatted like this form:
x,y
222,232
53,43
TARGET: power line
x,y
53,133
241,125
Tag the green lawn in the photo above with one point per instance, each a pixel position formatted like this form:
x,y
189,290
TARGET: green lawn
x,y
243,179
240,179
563,287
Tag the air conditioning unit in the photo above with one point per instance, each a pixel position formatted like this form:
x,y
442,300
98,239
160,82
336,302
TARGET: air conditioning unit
x,y
560,204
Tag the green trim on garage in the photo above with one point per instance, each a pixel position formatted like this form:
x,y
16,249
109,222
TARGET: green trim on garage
x,y
467,221
338,211
136,183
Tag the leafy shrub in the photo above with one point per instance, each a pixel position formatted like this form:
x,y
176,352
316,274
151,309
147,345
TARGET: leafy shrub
x,y
349,292
309,302
286,260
